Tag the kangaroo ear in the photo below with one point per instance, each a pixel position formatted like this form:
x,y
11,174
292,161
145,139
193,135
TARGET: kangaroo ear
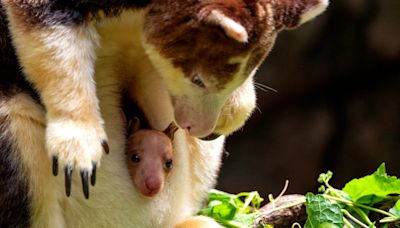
x,y
290,14
170,130
231,28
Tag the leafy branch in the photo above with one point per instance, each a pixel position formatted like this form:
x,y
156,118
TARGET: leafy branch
x,y
359,196
372,201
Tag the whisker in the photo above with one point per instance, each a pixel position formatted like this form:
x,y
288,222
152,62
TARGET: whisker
x,y
264,88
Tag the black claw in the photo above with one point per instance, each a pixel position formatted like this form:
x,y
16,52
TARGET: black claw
x,y
68,179
93,177
105,147
85,183
55,165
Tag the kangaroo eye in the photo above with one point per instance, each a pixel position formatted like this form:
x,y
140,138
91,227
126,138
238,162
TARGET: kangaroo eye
x,y
197,81
135,158
168,164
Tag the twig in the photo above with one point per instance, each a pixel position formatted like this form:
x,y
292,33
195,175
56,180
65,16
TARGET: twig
x,y
352,218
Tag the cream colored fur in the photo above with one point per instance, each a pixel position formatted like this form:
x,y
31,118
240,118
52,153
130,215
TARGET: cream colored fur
x,y
315,11
202,108
232,29
115,202
198,222
27,123
237,108
196,163
59,61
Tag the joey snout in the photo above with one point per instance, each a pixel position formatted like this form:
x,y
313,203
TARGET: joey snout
x,y
149,154
151,185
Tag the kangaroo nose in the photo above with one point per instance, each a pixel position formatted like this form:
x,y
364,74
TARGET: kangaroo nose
x,y
200,130
185,125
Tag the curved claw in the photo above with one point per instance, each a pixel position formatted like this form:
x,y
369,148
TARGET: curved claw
x,y
85,183
68,179
105,146
55,165
93,177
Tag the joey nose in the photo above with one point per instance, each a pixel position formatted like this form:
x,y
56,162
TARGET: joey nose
x,y
153,186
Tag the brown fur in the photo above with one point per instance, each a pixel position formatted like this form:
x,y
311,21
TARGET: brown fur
x,y
210,48
56,43
149,156
154,150
184,25
60,12
14,188
288,12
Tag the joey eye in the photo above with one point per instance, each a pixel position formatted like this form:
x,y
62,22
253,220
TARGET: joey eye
x,y
135,158
168,164
197,81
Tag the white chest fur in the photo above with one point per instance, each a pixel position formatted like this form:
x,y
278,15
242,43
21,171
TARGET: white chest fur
x,y
114,201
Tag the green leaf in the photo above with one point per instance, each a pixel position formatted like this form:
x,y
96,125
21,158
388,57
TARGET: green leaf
x,y
250,198
373,188
224,211
325,177
396,209
322,213
246,220
216,195
230,211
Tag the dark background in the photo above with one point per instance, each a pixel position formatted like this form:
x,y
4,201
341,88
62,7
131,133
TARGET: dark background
x,y
337,106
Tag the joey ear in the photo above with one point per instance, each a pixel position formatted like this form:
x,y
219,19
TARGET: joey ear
x,y
133,125
170,130
231,28
290,14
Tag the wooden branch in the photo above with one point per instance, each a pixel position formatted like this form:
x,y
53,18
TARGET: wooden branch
x,y
271,213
